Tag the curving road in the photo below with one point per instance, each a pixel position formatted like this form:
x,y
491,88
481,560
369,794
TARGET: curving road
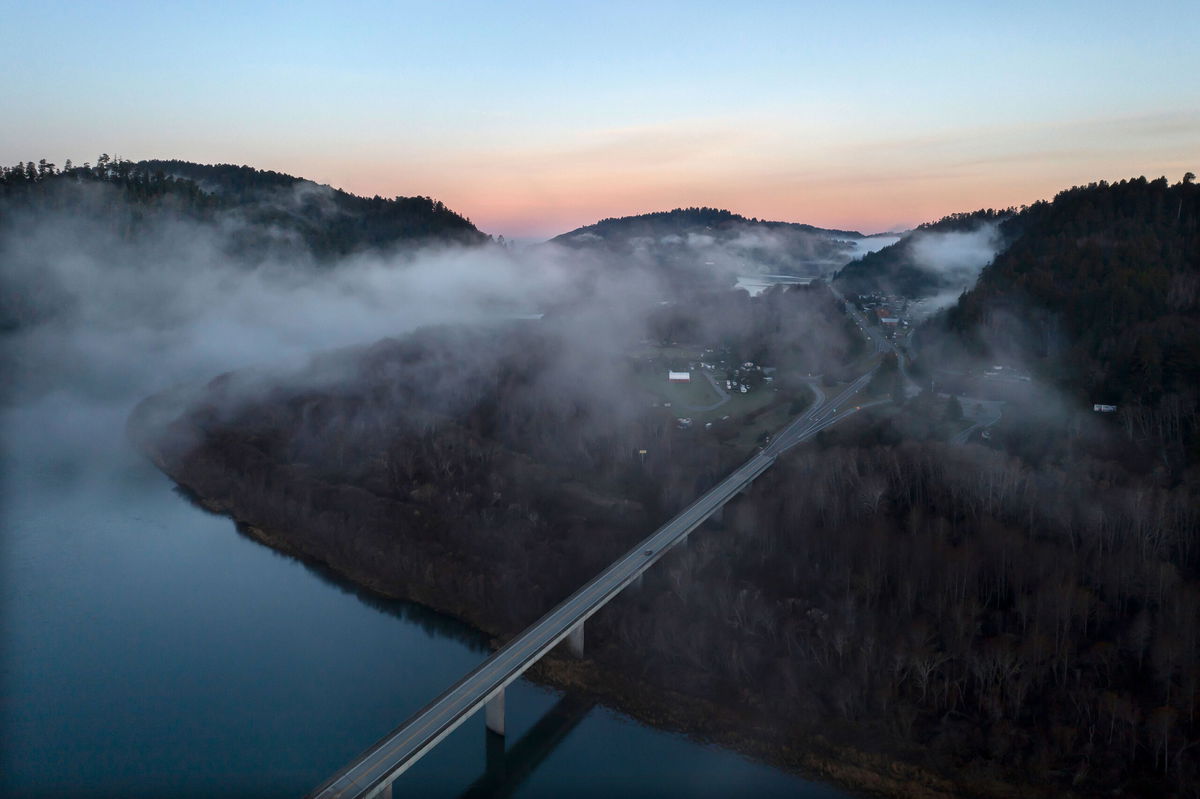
x,y
981,413
822,414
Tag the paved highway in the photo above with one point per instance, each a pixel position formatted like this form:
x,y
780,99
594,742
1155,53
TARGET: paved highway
x,y
869,330
820,416
990,410
882,344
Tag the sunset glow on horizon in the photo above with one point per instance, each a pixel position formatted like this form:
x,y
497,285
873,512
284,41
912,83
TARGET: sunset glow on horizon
x,y
535,118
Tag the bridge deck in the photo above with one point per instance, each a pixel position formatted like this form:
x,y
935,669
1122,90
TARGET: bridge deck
x,y
372,771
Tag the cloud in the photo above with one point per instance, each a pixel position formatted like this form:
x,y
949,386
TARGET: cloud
x,y
956,258
109,316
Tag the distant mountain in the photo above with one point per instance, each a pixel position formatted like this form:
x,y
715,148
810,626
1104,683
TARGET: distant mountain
x,y
683,220
698,242
937,257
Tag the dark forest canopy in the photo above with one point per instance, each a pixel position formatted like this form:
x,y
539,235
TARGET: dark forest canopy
x,y
1099,290
327,222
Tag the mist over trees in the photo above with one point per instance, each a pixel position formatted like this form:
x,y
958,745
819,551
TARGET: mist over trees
x,y
487,471
712,246
1099,295
941,256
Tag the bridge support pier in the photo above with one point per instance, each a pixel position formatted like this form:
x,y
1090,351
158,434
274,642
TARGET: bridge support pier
x,y
575,641
494,713
382,792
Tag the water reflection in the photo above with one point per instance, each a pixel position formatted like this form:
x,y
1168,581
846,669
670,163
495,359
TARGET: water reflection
x,y
428,620
506,770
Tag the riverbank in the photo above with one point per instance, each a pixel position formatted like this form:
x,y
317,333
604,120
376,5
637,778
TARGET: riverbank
x,y
830,755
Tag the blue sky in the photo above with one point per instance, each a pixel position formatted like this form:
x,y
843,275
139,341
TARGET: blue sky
x,y
532,118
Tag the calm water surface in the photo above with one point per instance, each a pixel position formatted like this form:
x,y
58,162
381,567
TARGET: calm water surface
x,y
150,649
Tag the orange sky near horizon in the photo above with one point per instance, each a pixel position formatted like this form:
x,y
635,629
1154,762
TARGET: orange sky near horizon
x,y
866,185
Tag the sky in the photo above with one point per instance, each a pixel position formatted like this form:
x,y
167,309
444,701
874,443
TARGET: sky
x,y
533,118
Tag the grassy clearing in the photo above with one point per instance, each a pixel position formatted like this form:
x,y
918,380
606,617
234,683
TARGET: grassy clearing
x,y
652,364
653,378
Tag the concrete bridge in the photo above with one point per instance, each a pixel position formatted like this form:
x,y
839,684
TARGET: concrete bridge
x,y
373,772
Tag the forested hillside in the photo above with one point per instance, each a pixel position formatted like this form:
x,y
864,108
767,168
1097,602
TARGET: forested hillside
x,y
274,206
239,216
483,471
1003,622
331,221
1099,293
498,464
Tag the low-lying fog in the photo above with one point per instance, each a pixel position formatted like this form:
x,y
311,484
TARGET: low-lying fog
x,y
105,320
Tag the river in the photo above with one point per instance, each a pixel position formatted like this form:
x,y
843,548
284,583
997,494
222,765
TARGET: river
x,y
151,649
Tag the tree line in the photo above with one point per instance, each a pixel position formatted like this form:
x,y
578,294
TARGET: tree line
x,y
328,222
